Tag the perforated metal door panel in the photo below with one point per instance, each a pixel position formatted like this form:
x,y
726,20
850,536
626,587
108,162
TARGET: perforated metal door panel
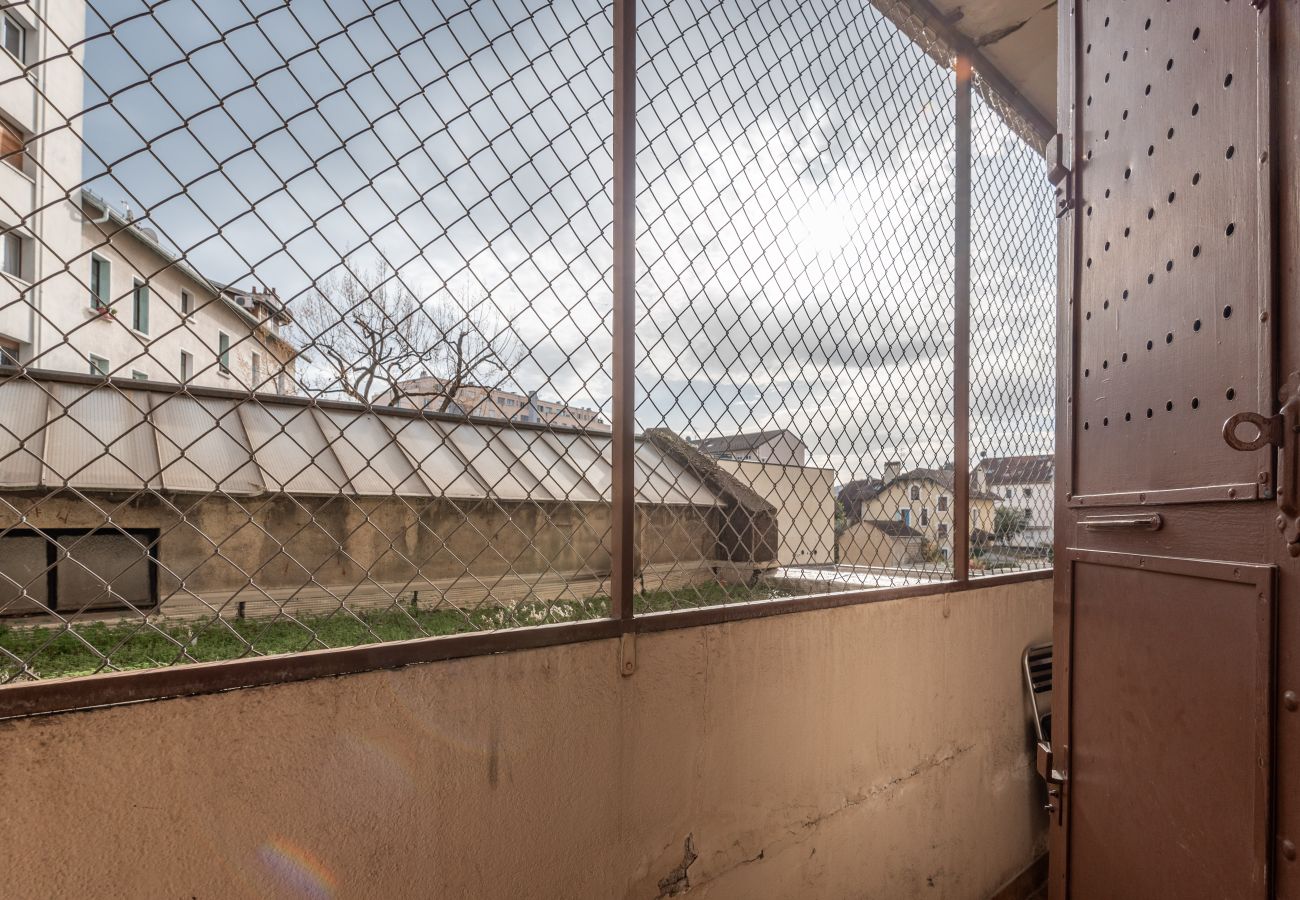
x,y
1172,317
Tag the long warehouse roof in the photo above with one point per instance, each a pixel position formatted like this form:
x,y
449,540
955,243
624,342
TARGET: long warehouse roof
x,y
119,437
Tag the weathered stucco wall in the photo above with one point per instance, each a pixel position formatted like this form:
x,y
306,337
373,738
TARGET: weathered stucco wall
x,y
876,751
304,553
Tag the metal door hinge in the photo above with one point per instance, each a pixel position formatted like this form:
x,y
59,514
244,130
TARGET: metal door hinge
x,y
1058,173
1282,432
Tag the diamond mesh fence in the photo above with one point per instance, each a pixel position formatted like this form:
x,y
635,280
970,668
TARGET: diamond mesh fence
x,y
306,318
1013,350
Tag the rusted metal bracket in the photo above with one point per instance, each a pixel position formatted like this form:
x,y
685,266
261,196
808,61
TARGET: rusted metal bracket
x,y
1282,432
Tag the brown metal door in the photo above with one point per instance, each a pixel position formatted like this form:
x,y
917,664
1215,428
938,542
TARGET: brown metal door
x,y
1165,616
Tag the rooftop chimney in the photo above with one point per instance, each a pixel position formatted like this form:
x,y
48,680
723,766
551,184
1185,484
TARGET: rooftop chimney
x,y
892,471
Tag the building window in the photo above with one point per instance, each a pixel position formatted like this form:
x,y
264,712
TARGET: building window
x,y
905,516
223,352
1029,492
13,255
140,307
187,366
1008,493
8,352
80,565
257,369
943,530
139,376
14,36
98,365
187,303
279,382
925,516
916,492
12,146
1028,512
99,274
943,503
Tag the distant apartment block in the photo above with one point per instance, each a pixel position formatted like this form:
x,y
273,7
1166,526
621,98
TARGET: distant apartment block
x,y
83,287
35,172
923,500
1025,483
429,393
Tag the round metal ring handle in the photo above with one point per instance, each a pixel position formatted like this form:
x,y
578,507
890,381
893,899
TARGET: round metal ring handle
x,y
1264,425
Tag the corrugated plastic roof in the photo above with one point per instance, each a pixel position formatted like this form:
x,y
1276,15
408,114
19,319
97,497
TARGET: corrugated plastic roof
x,y
119,437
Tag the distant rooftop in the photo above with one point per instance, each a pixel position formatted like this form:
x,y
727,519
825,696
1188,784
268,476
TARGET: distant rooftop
x,y
999,470
895,528
741,443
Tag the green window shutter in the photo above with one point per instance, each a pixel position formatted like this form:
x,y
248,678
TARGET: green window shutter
x,y
99,280
141,308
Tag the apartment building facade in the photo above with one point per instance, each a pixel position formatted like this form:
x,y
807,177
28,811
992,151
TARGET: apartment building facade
x,y
924,501
146,314
41,93
83,287
1024,483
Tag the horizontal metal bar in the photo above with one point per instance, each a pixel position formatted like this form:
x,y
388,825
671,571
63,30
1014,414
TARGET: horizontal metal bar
x,y
1208,494
60,695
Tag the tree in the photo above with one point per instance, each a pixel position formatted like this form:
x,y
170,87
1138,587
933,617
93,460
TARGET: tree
x,y
1008,521
365,336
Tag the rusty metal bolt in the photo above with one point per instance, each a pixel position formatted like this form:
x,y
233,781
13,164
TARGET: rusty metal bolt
x,y
1288,850
1291,701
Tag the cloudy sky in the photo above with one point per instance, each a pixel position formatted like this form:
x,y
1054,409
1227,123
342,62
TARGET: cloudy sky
x,y
795,197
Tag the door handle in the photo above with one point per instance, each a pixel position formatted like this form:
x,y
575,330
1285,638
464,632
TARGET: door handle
x,y
1151,522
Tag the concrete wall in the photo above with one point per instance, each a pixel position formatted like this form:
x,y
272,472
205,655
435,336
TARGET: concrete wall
x,y
863,544
804,498
876,751
306,553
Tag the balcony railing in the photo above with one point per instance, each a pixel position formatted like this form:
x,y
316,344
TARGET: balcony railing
x,y
587,320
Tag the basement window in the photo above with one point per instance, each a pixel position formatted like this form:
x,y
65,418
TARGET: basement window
x,y
70,571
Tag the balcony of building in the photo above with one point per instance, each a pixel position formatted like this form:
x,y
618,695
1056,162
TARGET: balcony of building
x,y
663,496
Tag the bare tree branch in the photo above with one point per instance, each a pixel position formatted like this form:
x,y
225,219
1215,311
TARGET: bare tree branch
x,y
366,337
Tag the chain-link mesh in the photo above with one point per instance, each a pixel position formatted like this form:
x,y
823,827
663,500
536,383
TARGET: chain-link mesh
x,y
1013,350
796,290
306,323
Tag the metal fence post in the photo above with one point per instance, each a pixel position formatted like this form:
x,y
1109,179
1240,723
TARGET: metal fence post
x,y
624,351
961,324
